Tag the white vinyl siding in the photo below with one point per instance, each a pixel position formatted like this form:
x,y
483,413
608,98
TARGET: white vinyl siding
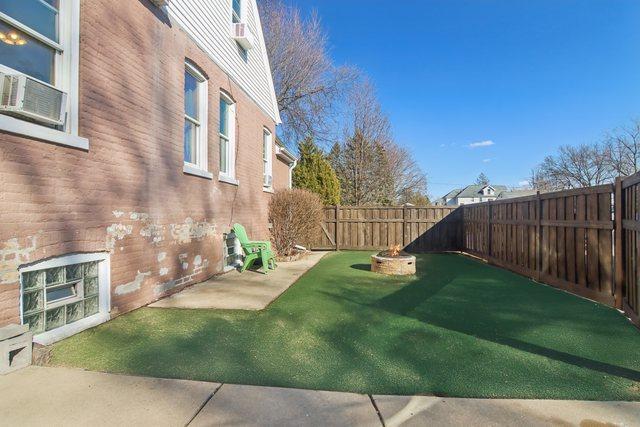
x,y
209,24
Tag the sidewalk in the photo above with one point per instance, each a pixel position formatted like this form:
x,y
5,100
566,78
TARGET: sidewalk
x,y
250,290
70,397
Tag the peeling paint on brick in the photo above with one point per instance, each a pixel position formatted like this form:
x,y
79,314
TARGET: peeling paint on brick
x,y
152,231
197,262
164,271
133,286
190,230
138,216
162,256
12,255
117,232
118,214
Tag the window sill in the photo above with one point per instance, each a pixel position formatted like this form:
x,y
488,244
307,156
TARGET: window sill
x,y
33,130
196,171
227,179
55,335
268,190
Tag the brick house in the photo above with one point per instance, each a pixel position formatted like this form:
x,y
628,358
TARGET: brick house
x,y
147,130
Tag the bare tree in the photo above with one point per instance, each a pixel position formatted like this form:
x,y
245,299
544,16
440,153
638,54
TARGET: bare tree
x,y
371,167
306,81
575,167
408,181
623,149
537,181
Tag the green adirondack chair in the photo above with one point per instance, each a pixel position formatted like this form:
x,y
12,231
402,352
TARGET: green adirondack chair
x,y
254,251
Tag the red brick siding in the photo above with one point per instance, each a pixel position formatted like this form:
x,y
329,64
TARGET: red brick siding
x,y
56,200
280,175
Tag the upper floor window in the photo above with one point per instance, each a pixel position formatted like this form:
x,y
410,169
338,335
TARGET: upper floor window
x,y
236,11
30,37
227,137
195,118
267,143
39,42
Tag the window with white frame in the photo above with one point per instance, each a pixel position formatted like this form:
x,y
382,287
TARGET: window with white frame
x,y
39,39
236,11
267,165
62,292
195,118
227,137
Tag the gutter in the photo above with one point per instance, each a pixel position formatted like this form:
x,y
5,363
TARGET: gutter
x,y
288,157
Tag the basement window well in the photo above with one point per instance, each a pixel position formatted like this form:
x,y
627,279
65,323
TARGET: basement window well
x,y
62,296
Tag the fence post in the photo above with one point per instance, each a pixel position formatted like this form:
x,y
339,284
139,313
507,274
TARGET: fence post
x,y
489,228
619,248
404,226
337,227
538,236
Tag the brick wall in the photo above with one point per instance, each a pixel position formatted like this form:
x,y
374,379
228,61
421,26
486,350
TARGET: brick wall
x,y
128,194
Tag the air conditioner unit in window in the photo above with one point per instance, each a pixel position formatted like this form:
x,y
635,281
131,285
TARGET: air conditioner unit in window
x,y
268,180
240,33
23,96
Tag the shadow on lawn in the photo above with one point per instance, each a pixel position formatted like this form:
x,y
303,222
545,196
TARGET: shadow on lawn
x,y
485,324
363,267
354,332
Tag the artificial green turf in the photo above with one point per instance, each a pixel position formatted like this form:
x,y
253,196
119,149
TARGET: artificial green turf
x,y
460,328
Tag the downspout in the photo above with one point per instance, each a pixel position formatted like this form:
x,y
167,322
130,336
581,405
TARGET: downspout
x,y
292,165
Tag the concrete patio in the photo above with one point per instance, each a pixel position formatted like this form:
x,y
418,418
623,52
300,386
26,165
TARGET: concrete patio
x,y
70,397
250,290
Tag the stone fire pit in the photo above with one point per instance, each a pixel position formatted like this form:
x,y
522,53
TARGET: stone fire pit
x,y
393,262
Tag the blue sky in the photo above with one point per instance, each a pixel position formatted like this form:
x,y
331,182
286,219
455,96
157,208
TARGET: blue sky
x,y
528,76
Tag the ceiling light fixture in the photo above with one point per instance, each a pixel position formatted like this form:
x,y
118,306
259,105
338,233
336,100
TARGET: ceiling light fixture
x,y
12,38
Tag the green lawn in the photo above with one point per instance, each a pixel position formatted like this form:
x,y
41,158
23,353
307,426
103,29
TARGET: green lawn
x,y
460,328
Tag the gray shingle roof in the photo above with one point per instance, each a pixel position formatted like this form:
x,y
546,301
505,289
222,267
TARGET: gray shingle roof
x,y
474,190
516,193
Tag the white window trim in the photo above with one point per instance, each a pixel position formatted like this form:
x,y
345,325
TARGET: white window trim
x,y
229,176
268,165
104,294
190,169
201,168
243,11
67,80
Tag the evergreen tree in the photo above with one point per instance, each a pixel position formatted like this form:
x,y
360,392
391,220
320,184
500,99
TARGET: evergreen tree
x,y
314,173
482,179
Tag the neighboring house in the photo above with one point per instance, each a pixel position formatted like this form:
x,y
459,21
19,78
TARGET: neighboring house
x,y
516,193
147,130
471,194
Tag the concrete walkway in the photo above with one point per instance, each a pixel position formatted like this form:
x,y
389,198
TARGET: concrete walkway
x,y
250,290
70,397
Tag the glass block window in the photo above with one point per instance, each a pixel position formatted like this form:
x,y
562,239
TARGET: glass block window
x,y
58,296
231,252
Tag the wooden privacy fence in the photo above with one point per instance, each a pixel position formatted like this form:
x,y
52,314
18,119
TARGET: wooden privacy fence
x,y
586,240
563,238
418,229
628,243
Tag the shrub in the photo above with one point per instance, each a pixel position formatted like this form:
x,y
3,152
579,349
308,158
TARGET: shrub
x,y
314,173
296,216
